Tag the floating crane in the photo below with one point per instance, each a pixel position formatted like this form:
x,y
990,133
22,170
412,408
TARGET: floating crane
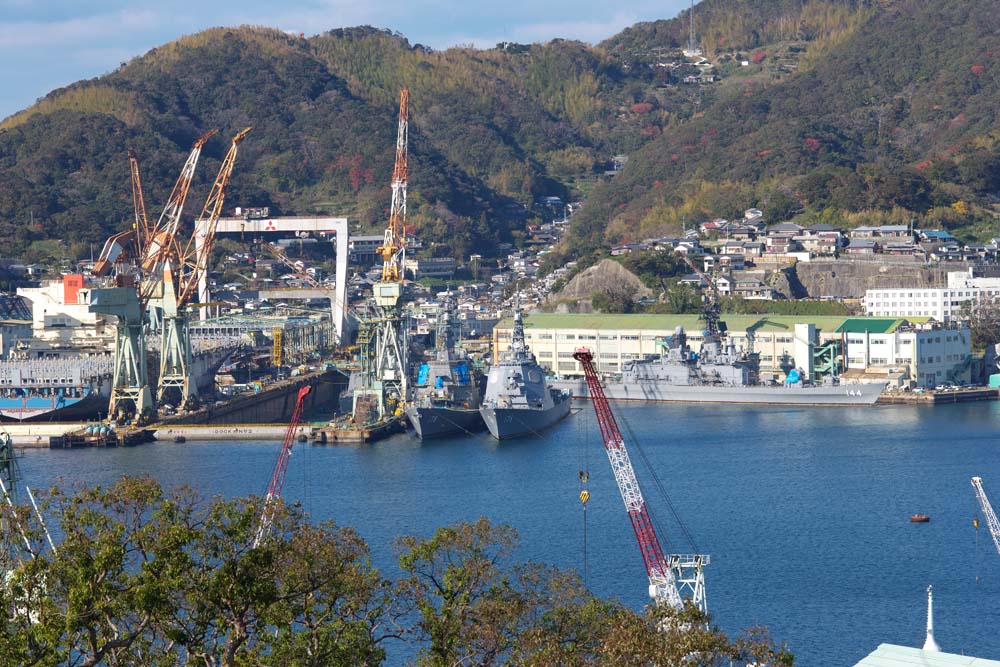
x,y
991,518
664,573
183,269
281,467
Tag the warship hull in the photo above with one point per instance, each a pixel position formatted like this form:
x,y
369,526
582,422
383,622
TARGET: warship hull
x,y
441,422
505,423
658,391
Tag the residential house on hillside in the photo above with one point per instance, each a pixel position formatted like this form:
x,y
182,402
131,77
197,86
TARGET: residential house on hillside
x,y
693,280
724,284
753,289
753,216
781,238
936,236
882,232
862,247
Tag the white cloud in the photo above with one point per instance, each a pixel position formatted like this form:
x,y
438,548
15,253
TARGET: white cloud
x,y
21,35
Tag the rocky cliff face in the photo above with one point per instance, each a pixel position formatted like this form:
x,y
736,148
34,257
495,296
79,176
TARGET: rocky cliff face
x,y
608,276
850,279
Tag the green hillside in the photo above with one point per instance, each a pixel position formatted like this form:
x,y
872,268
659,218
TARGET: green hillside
x,y
842,111
894,123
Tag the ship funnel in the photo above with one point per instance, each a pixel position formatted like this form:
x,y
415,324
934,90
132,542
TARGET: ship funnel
x,y
929,643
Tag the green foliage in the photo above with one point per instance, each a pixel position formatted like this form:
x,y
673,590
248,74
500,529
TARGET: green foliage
x,y
891,114
741,306
683,299
853,107
613,300
145,577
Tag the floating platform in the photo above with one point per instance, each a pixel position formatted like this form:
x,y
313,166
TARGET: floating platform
x,y
229,432
938,397
110,438
348,433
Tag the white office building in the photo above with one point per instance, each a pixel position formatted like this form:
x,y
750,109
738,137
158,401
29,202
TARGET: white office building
x,y
944,304
926,355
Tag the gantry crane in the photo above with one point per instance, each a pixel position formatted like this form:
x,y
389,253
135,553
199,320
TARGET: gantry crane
x,y
183,268
991,518
664,573
386,367
281,467
140,253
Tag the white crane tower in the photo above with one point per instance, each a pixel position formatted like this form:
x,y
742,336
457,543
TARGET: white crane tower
x,y
988,513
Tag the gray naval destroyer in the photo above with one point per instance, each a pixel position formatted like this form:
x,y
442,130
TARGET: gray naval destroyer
x,y
519,400
445,398
718,373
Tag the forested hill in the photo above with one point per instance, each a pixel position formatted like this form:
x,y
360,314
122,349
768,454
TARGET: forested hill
x,y
815,108
895,122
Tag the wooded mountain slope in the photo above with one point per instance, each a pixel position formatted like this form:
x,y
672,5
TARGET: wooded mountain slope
x,y
843,111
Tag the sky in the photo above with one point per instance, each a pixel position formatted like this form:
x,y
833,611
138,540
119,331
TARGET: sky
x,y
46,44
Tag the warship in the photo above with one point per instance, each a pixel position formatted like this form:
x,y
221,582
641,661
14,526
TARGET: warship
x,y
519,400
445,397
718,373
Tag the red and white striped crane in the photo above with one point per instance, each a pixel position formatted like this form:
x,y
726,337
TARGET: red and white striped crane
x,y
281,466
664,573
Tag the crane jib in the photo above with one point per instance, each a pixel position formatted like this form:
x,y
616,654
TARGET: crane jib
x,y
663,587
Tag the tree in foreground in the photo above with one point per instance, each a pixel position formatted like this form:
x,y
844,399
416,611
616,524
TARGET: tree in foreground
x,y
476,604
145,577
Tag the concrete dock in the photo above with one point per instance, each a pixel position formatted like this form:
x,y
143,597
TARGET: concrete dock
x,y
960,395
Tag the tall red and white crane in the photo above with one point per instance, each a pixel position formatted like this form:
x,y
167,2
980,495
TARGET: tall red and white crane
x,y
984,504
281,467
664,573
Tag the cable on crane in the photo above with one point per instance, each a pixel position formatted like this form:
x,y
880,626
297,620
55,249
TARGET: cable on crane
x,y
659,486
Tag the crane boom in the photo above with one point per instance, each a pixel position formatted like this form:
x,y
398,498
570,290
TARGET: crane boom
x,y
138,204
988,513
199,247
662,586
393,248
281,467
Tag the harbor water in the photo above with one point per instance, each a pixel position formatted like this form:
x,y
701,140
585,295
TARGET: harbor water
x,y
805,511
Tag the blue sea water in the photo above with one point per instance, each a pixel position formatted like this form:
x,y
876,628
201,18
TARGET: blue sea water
x,y
805,511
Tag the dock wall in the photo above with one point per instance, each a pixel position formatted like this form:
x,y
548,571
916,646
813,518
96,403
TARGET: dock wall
x,y
272,405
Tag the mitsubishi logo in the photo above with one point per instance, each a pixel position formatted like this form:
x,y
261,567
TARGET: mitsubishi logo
x,y
270,226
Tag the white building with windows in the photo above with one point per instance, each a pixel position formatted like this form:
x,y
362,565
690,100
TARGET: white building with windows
x,y
944,304
927,354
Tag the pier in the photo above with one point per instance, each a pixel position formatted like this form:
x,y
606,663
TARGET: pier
x,y
960,395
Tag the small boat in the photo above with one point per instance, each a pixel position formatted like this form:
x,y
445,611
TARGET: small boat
x,y
919,518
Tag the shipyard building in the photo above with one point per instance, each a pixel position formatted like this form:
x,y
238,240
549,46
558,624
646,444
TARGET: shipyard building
x,y
907,352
